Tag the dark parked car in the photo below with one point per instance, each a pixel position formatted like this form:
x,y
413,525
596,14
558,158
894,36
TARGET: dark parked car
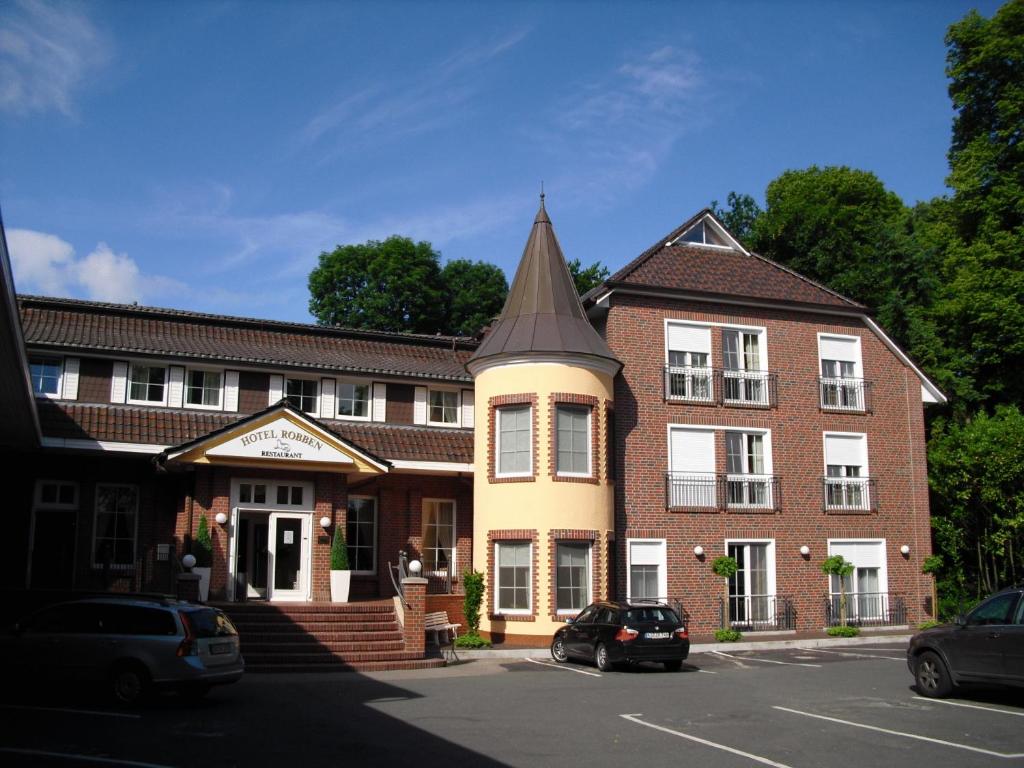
x,y
128,646
985,646
613,633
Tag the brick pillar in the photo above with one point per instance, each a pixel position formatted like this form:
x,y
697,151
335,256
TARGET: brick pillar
x,y
415,607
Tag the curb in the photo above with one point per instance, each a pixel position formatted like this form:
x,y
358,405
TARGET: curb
x,y
757,645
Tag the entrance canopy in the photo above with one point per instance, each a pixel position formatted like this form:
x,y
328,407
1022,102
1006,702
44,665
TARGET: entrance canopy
x,y
279,437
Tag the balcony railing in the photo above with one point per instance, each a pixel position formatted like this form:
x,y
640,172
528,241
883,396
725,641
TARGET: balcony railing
x,y
707,491
849,494
867,609
718,386
853,395
758,613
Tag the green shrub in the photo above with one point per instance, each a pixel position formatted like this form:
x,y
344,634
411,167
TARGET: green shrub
x,y
471,641
728,635
843,631
928,624
339,551
204,544
473,586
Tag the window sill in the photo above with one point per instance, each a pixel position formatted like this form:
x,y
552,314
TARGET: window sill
x,y
512,617
197,407
445,424
149,403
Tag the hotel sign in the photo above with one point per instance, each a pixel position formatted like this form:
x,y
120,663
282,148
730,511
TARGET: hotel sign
x,y
281,439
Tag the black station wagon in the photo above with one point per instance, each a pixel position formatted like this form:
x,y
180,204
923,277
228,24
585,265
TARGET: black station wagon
x,y
615,633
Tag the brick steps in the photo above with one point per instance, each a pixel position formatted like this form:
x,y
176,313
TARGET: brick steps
x,y
359,666
254,637
315,645
327,657
314,627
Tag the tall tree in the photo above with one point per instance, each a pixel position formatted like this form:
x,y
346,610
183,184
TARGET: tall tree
x,y
476,293
740,216
589,277
387,285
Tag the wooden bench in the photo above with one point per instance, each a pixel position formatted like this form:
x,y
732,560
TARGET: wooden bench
x,y
438,624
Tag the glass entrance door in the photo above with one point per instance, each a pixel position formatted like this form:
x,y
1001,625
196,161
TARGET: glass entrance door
x,y
289,556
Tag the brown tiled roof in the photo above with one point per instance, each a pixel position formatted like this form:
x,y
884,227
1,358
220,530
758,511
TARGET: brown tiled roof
x,y
170,427
723,272
132,330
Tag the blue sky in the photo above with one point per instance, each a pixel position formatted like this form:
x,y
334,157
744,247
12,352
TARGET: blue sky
x,y
201,155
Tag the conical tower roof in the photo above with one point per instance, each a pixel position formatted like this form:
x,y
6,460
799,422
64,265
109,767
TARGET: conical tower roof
x,y
542,314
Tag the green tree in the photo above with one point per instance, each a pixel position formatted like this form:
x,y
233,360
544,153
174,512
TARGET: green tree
x,y
204,544
476,293
740,217
339,550
587,278
725,567
388,285
839,566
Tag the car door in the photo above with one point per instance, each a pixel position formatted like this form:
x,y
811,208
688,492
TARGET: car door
x,y
975,649
1013,645
576,633
59,641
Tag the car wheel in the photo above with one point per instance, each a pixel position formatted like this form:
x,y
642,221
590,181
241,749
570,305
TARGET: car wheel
x,y
129,684
601,658
931,676
558,650
673,666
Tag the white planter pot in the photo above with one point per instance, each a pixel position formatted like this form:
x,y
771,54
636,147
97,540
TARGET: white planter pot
x,y
204,583
340,583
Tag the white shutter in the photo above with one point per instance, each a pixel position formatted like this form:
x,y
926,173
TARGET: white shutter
x,y
468,400
689,338
70,378
863,554
419,408
692,450
646,552
380,401
845,450
175,386
230,390
119,382
276,388
838,348
328,402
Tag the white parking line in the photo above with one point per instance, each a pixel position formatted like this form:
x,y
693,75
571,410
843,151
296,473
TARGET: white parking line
x,y
92,712
81,758
943,742
561,666
969,706
858,655
634,718
766,661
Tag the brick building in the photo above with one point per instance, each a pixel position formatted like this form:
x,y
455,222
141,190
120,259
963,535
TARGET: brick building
x,y
709,401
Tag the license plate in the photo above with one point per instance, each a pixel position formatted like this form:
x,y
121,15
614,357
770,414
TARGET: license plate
x,y
657,635
221,648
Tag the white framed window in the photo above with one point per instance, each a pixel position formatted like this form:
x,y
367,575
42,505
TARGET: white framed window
x,y
572,440
286,495
688,374
439,536
115,523
572,576
443,407
748,463
692,481
744,377
203,389
354,399
46,373
514,572
647,565
147,384
847,479
703,233
55,494
867,588
514,425
361,533
303,394
752,587
842,372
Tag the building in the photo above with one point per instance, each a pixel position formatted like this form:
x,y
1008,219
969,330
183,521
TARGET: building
x,y
703,401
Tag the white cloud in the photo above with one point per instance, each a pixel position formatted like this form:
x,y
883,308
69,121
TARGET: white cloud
x,y
47,50
46,264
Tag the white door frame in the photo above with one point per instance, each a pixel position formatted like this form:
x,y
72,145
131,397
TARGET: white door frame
x,y
301,594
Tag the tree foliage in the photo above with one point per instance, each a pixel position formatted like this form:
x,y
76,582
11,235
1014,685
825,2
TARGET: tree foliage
x,y
476,292
589,277
739,218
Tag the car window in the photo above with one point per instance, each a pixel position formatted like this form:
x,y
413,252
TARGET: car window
x,y
652,613
1020,612
994,611
136,620
608,616
587,615
209,622
76,618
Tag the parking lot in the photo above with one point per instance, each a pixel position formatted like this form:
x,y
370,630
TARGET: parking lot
x,y
794,707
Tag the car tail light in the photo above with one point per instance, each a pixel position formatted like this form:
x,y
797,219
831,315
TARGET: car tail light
x,y
187,646
682,633
626,635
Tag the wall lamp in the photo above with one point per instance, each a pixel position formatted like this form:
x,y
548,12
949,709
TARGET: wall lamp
x,y
905,550
805,551
221,518
698,551
325,522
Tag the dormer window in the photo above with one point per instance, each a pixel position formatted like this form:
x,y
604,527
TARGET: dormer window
x,y
703,233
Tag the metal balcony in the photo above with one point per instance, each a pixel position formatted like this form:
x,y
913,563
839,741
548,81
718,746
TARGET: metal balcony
x,y
710,492
867,609
849,494
718,386
758,613
845,395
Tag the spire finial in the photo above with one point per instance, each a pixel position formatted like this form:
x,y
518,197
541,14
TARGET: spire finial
x,y
542,193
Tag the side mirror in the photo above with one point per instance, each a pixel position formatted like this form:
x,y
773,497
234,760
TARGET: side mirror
x,y
961,620
570,621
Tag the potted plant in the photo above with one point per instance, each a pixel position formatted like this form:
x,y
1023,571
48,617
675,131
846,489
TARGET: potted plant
x,y
726,567
839,566
204,558
341,575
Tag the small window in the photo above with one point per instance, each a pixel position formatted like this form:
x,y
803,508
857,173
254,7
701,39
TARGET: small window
x,y
703,234
353,400
443,407
573,440
45,373
54,493
514,570
252,494
203,388
114,525
361,534
572,576
515,442
301,394
147,384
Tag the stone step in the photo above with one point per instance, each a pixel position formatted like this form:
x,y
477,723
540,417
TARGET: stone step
x,y
350,666
314,627
362,636
296,618
318,645
325,657
296,609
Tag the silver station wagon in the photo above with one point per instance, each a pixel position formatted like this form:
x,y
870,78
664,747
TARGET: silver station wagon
x,y
127,646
